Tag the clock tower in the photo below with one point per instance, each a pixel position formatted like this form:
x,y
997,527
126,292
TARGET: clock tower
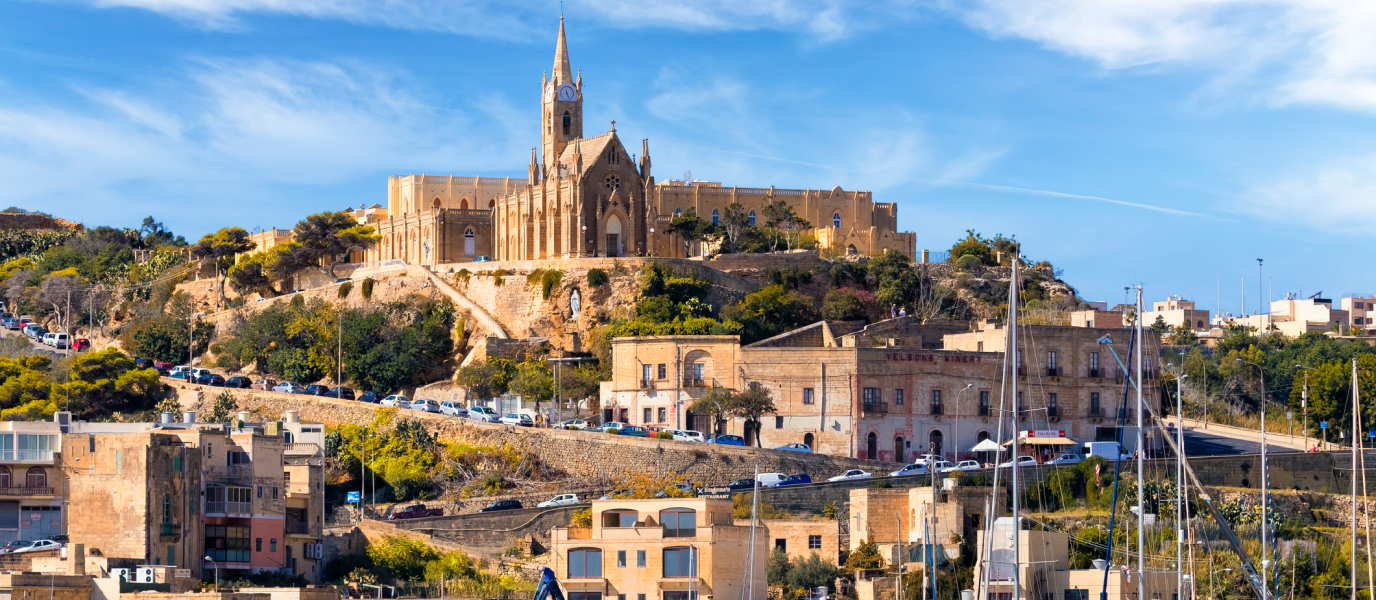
x,y
562,105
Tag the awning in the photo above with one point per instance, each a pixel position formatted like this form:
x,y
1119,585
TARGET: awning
x,y
1045,441
987,445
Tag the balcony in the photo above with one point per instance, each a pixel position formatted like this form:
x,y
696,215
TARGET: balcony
x,y
1052,372
1095,413
26,491
300,448
937,408
1094,373
692,381
170,530
298,528
984,410
874,408
228,508
26,455
647,384
1053,411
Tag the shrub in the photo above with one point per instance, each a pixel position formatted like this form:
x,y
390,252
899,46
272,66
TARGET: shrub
x,y
969,262
345,288
463,275
549,280
664,435
582,518
368,288
613,432
597,277
497,276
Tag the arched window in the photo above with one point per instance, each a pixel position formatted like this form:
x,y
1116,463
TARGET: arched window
x,y
612,182
851,249
568,122
808,439
752,217
585,563
935,439
468,242
716,217
37,477
167,508
463,204
4,477
872,446
678,212
492,203
836,219
679,522
1200,325
680,562
436,203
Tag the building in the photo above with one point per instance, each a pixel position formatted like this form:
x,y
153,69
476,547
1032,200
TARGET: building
x,y
889,391
901,521
1361,313
586,195
801,538
31,484
1175,312
1046,571
660,549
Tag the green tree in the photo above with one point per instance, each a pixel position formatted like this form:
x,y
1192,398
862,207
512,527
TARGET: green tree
x,y
811,573
734,223
769,312
1160,326
250,274
848,304
972,245
752,404
224,410
865,556
331,235
717,402
478,378
219,248
780,215
1183,335
777,567
534,381
690,228
401,557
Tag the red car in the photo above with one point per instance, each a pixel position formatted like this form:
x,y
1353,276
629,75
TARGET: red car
x,y
81,344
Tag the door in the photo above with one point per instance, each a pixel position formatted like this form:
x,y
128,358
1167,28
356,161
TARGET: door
x,y
898,450
613,236
872,446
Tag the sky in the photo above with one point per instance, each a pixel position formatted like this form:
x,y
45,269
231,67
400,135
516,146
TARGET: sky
x,y
1166,143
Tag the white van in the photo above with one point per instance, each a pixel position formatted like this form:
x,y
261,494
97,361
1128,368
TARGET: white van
x,y
59,340
1111,451
770,479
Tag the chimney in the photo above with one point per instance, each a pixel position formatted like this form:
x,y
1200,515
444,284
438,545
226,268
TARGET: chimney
x,y
189,416
243,416
291,416
168,417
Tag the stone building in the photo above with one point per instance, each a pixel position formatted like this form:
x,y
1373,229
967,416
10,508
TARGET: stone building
x,y
662,549
31,484
890,391
801,538
587,195
904,522
1046,570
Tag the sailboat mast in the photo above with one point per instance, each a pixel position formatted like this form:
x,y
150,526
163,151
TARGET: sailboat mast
x,y
1017,410
1355,440
1180,484
1141,452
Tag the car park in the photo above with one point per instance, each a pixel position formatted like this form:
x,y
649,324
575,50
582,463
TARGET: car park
x,y
483,413
369,397
238,382
573,424
81,344
964,465
288,387
501,505
212,379
425,405
396,401
453,409
560,500
726,440
852,475
1023,461
913,469
315,389
796,479
795,447
517,419
340,392
264,384
1065,459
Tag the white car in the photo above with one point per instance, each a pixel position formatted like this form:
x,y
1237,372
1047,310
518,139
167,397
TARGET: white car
x,y
41,545
964,465
517,419
687,435
922,460
852,475
573,424
1065,459
913,469
425,405
612,425
288,387
1023,461
940,466
483,414
560,500
453,409
770,479
396,401
47,339
181,371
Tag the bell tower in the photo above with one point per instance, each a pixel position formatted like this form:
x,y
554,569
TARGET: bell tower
x,y
562,106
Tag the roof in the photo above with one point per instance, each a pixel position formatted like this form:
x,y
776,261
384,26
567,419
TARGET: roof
x,y
589,147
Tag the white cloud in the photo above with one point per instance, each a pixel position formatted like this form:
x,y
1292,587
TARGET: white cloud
x,y
1332,198
1301,51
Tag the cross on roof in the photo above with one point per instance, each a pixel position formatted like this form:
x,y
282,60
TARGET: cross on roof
x,y
613,124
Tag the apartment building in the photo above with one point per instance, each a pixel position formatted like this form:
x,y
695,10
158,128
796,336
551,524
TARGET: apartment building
x,y
1176,311
31,483
889,391
660,549
1361,313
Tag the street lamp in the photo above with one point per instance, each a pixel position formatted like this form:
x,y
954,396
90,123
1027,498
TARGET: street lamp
x,y
1265,495
217,573
1304,404
955,436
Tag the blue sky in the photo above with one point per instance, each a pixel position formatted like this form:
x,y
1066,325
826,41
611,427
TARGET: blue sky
x,y
1167,142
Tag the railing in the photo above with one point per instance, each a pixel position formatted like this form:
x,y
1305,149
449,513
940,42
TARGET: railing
x,y
936,408
696,382
34,455
1094,373
299,527
218,507
680,533
1051,371
1095,413
876,408
984,410
171,529
1126,413
26,491
647,384
301,447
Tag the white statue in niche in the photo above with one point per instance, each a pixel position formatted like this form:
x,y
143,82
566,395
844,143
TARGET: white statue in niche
x,y
575,304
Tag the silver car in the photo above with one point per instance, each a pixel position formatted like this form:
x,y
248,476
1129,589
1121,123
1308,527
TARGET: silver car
x,y
396,401
424,405
286,387
483,414
453,409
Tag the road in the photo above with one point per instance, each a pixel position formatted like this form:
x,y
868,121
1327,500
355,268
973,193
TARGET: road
x,y
1207,443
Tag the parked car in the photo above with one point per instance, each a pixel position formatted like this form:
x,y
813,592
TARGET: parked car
x,y
727,440
483,258
81,344
573,424
12,323
940,466
796,479
484,414
288,387
453,409
162,364
238,382
913,469
341,392
1023,461
196,374
264,384
41,545
315,389
61,340
416,511
396,401
425,405
616,493
343,279
16,545
852,475
964,465
634,431
770,479
1110,451
501,505
795,447
612,425
1065,459
212,379
688,435
369,397
35,332
741,484
922,459
560,500
163,372
179,371
517,419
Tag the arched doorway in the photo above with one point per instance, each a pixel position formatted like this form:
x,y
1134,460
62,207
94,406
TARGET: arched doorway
x,y
613,236
808,439
750,430
898,456
935,442
981,456
872,446
468,242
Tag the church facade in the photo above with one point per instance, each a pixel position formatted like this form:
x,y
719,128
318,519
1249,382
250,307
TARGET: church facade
x,y
588,196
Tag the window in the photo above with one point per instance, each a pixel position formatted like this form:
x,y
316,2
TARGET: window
x,y
640,596
716,217
236,458
92,439
258,545
679,562
1051,360
260,491
1052,409
814,542
807,395
568,122
984,404
936,402
36,478
1093,364
176,464
172,555
612,182
662,371
640,562
648,413
273,546
898,397
645,372
678,212
752,217
195,505
618,518
781,544
871,396
680,596
4,477
663,414
585,562
1094,404
778,422
585,595
274,493
836,219
227,543
679,522
469,245
166,508
621,559
119,467
1077,595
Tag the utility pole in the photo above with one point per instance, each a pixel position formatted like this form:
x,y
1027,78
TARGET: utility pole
x,y
1141,454
1261,304
339,359
67,325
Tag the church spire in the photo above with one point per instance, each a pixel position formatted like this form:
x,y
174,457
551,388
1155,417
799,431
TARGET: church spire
x,y
563,73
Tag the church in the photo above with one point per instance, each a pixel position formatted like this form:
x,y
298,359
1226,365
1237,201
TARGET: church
x,y
587,196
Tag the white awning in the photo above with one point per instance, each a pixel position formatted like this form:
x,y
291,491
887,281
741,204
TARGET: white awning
x,y
1045,441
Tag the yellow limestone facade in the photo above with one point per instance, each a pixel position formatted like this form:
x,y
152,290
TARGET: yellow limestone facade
x,y
588,196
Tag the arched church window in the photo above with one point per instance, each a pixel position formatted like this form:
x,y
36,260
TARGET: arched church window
x,y
436,203
752,217
678,211
463,204
836,220
492,203
568,122
851,249
612,182
468,242
716,217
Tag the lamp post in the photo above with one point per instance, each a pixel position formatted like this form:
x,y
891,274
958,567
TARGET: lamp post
x,y
1304,405
955,435
1265,495
217,573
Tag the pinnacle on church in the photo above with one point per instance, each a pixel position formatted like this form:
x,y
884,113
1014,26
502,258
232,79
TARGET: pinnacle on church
x,y
563,73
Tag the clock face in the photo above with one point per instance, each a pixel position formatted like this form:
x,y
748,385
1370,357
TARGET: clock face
x,y
568,93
